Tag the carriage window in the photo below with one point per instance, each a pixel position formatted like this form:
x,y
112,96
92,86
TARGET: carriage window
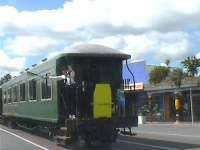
x,y
32,89
9,96
15,93
4,97
22,92
46,89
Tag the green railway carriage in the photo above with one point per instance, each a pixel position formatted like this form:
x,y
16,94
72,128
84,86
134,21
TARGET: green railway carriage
x,y
23,97
76,89
1,105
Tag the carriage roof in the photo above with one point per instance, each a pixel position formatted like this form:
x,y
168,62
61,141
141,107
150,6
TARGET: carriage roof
x,y
88,50
94,50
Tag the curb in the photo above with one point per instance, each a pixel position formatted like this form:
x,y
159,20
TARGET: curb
x,y
171,124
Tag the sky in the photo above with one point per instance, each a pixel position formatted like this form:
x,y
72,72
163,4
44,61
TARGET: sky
x,y
153,30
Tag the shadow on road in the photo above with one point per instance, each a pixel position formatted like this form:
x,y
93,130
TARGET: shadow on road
x,y
80,145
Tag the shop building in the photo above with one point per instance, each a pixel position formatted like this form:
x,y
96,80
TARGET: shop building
x,y
163,102
157,102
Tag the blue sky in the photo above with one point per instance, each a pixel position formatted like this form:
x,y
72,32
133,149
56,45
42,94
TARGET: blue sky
x,y
32,5
152,30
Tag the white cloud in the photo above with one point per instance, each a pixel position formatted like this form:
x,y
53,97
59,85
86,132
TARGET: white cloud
x,y
7,16
54,53
186,7
172,45
163,64
31,45
139,45
11,64
175,50
198,55
142,28
138,16
110,41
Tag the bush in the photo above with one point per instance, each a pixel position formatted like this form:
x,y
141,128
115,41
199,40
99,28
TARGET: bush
x,y
158,74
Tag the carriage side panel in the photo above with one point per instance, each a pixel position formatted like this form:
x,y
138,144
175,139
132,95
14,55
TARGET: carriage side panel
x,y
38,109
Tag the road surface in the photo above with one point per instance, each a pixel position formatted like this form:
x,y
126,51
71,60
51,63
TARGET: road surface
x,y
149,137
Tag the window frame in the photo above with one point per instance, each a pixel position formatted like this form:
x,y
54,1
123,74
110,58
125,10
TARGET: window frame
x,y
43,81
17,91
20,99
4,96
9,90
29,98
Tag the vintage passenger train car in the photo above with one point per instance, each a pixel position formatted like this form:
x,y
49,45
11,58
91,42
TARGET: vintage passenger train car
x,y
72,95
1,105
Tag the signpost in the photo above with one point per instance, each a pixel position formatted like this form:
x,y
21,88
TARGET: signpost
x,y
192,115
138,87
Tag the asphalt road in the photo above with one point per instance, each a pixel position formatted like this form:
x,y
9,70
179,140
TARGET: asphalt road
x,y
14,139
148,138
8,142
181,133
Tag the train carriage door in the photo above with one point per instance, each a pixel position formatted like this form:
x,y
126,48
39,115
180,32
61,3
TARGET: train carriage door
x,y
94,73
102,104
90,76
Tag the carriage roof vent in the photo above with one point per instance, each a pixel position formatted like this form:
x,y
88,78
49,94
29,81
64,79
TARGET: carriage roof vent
x,y
34,65
26,69
43,60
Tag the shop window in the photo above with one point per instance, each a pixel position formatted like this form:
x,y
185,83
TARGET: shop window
x,y
22,92
32,89
15,93
46,89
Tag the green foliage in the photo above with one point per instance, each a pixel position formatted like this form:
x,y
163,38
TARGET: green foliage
x,y
176,76
5,78
191,64
158,74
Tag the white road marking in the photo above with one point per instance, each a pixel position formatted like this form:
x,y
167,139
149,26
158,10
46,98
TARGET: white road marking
x,y
170,134
41,147
147,145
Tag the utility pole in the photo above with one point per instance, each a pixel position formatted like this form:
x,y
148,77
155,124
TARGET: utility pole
x,y
192,115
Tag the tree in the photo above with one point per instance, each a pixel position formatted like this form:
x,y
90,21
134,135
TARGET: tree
x,y
167,62
191,64
176,76
5,78
158,74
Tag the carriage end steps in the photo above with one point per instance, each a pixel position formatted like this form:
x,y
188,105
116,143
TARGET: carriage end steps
x,y
62,138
